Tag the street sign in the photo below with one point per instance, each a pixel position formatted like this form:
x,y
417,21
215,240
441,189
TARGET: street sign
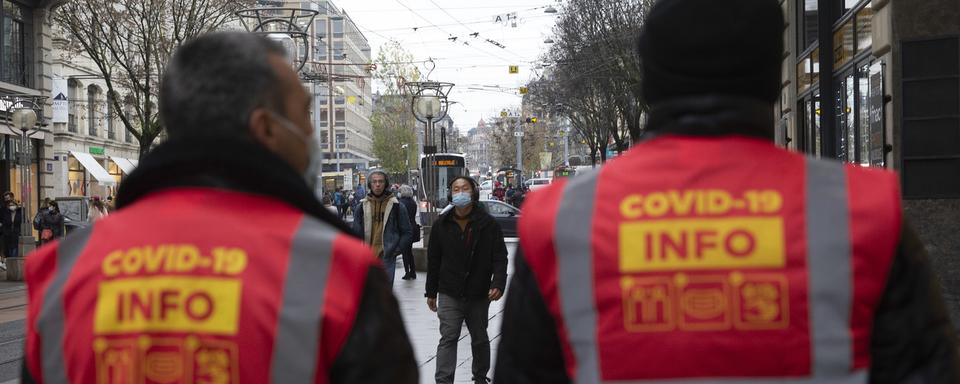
x,y
523,90
518,134
503,114
96,151
514,69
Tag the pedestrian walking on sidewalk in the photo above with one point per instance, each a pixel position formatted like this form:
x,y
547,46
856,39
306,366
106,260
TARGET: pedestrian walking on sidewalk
x,y
383,222
338,200
11,221
409,265
466,270
50,224
743,263
221,264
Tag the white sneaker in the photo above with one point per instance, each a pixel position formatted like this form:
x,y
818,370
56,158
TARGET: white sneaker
x,y
3,266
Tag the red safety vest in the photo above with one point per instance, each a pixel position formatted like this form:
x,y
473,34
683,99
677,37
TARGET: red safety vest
x,y
714,258
194,285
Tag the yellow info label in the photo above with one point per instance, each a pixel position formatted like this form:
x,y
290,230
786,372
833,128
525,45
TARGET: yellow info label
x,y
686,244
168,304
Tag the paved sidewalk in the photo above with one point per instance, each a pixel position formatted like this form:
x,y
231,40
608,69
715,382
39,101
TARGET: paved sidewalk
x,y
424,327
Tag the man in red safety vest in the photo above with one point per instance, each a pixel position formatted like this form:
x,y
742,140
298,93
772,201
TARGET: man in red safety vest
x,y
220,265
707,254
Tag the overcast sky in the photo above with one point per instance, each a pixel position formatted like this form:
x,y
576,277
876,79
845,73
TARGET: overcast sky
x,y
480,64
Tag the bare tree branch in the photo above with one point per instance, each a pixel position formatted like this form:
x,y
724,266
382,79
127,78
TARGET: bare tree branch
x,y
130,42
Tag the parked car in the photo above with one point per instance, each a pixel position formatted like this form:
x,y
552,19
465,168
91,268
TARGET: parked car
x,y
534,184
505,214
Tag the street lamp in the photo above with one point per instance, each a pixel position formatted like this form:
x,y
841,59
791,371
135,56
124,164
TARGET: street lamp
x,y
429,104
23,116
550,9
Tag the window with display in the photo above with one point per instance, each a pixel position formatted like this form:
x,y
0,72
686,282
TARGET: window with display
x,y
76,177
859,117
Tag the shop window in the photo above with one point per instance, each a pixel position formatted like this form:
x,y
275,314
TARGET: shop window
x,y
865,28
76,178
843,44
817,133
116,173
815,65
804,78
849,4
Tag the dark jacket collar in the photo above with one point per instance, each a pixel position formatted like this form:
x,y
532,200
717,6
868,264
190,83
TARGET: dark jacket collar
x,y
223,163
714,115
479,217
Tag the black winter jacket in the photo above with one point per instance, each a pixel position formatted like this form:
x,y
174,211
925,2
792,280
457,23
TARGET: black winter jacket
x,y
466,263
913,340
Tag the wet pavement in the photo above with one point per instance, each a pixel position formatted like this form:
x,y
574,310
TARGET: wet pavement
x,y
423,327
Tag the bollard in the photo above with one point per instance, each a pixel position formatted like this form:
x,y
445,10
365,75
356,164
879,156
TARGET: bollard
x,y
15,268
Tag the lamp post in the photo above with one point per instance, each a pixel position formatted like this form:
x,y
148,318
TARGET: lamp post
x,y
429,104
22,113
25,120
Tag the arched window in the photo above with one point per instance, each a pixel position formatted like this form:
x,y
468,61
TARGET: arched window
x,y
93,99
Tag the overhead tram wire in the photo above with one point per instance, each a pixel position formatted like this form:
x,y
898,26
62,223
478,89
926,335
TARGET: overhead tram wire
x,y
472,31
457,8
448,33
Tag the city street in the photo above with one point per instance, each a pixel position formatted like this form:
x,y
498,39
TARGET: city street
x,y
423,325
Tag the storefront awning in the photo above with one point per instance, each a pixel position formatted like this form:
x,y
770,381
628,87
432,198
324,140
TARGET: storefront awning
x,y
94,167
125,165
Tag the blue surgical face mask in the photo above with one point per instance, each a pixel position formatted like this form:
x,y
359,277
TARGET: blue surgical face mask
x,y
462,199
315,161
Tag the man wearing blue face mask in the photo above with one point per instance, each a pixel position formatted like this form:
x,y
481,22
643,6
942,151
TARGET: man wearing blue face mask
x,y
466,270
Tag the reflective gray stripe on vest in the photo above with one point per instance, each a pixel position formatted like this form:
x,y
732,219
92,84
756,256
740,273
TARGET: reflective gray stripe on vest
x,y
297,343
50,324
829,268
573,231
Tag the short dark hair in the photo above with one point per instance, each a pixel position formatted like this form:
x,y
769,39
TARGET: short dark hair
x,y
215,81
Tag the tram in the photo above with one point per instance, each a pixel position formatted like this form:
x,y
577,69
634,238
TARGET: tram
x,y
446,167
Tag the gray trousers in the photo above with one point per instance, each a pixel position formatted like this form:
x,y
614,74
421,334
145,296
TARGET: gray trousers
x,y
452,313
